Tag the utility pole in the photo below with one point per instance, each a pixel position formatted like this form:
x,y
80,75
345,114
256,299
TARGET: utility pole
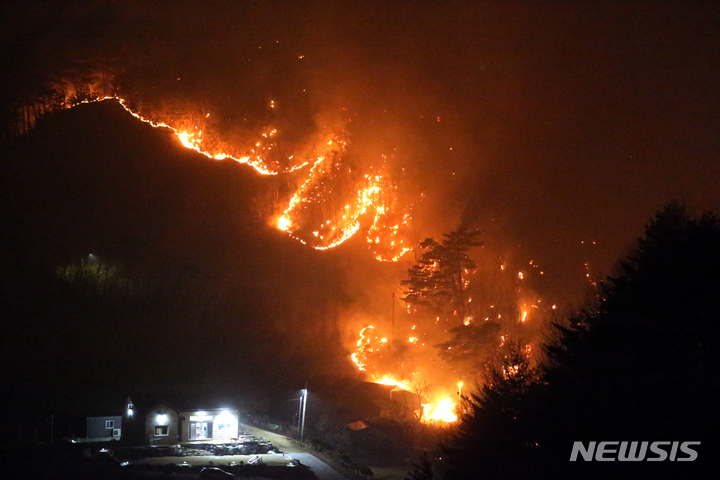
x,y
304,407
392,338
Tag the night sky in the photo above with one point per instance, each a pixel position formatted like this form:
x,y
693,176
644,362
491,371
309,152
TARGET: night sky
x,y
556,128
568,122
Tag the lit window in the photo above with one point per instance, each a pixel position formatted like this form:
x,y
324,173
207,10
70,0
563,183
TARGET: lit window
x,y
109,424
161,429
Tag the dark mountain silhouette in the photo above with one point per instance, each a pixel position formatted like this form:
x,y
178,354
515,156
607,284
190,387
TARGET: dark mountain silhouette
x,y
131,263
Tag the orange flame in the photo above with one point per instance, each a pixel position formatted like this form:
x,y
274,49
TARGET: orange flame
x,y
362,342
435,411
442,411
375,192
389,380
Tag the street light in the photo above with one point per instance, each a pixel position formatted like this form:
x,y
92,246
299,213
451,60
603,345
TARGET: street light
x,y
304,407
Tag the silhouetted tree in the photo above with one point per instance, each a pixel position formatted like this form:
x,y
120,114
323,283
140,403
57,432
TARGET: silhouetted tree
x,y
423,469
491,432
437,280
467,351
640,363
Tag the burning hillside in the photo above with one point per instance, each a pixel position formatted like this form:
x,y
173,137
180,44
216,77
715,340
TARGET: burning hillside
x,y
387,167
449,331
334,197
454,322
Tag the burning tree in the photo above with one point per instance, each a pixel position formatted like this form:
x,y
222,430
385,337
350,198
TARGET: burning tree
x,y
438,285
437,282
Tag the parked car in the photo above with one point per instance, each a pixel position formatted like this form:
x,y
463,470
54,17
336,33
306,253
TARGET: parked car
x,y
214,473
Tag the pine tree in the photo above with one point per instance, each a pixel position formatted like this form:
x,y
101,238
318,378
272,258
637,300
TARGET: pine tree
x,y
491,440
423,470
437,281
467,351
640,363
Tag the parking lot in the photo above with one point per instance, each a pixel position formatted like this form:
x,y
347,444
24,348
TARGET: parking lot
x,y
256,452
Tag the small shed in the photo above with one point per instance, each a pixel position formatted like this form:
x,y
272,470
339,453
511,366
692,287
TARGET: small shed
x,y
101,429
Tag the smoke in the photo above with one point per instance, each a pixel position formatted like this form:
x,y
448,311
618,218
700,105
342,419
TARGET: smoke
x,y
555,130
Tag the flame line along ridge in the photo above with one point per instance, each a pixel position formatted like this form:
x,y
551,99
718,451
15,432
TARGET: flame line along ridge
x,y
373,192
193,141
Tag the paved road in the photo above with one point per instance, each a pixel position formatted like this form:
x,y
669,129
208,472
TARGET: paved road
x,y
319,468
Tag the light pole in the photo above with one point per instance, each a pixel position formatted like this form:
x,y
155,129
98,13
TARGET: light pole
x,y
304,407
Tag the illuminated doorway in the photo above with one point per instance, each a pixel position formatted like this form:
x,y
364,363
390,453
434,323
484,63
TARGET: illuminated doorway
x,y
200,430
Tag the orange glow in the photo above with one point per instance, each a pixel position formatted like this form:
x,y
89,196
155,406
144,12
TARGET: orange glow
x,y
442,411
191,140
283,223
510,371
375,192
388,380
361,343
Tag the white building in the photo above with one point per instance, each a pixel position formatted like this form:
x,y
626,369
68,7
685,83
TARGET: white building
x,y
217,425
167,426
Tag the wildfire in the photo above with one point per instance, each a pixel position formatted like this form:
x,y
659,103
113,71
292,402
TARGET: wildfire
x,y
308,219
388,380
362,342
190,139
442,411
307,216
284,223
434,411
